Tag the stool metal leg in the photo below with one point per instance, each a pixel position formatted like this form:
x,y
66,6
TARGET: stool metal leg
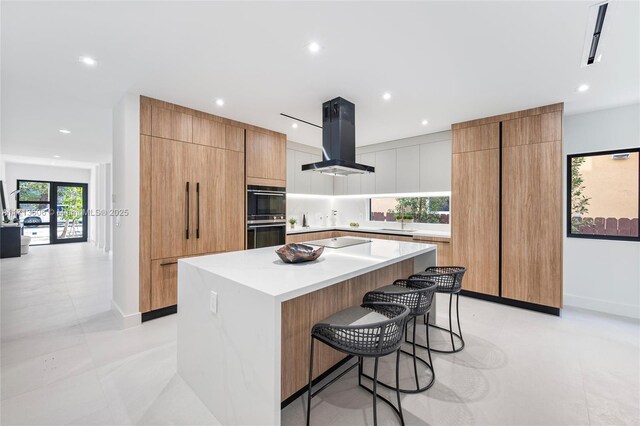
x,y
453,346
398,385
375,382
415,361
426,329
458,316
310,382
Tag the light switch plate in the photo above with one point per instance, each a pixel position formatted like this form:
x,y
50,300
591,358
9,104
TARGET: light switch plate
x,y
213,302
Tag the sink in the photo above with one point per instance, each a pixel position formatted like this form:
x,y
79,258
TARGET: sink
x,y
399,230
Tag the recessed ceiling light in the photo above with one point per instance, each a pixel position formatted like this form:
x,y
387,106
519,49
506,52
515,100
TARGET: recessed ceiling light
x,y
583,88
65,131
56,156
425,122
219,102
294,125
314,47
88,61
386,96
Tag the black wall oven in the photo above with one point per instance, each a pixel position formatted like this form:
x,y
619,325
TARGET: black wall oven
x,y
266,212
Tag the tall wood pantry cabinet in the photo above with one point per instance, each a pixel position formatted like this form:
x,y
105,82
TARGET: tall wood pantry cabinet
x,y
192,192
507,206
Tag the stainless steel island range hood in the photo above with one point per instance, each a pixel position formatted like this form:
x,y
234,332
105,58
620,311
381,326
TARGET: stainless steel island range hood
x,y
338,141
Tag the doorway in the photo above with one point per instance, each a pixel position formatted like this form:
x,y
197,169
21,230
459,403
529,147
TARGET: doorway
x,y
53,212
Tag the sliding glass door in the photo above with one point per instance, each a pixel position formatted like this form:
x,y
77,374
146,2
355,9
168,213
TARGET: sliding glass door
x,y
53,212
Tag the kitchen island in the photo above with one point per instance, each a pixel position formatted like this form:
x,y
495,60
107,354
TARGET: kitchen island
x,y
245,317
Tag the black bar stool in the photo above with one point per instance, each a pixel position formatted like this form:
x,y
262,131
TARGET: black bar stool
x,y
370,330
417,295
449,281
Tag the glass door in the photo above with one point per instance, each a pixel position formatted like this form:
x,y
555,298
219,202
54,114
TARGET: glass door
x,y
33,203
69,216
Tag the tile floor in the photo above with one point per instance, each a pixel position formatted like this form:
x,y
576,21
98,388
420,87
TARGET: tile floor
x,y
64,361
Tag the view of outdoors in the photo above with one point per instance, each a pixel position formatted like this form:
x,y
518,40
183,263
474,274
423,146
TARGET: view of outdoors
x,y
34,202
411,209
604,194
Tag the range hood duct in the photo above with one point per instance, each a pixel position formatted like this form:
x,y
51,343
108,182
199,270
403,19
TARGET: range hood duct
x,y
338,141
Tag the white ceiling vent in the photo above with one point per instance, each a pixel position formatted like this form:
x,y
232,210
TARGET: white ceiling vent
x,y
593,40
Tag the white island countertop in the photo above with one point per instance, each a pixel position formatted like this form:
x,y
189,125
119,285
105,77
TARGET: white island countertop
x,y
262,270
372,230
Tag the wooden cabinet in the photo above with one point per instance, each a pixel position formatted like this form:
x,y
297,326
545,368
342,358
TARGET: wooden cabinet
x,y
234,201
171,124
507,205
207,178
193,189
208,132
475,221
169,174
310,236
164,276
266,158
531,216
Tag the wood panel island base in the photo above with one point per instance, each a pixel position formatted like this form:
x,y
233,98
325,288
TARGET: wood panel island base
x,y
245,319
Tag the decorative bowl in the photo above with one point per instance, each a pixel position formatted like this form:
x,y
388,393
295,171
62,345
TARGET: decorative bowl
x,y
298,253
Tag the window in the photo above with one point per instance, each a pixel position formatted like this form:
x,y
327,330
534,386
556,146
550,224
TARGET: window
x,y
603,198
411,209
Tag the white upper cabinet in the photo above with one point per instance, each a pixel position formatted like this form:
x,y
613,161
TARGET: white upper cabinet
x,y
435,166
302,180
353,181
320,184
385,171
299,182
291,170
368,180
408,169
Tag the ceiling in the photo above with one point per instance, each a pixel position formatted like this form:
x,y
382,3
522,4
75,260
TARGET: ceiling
x,y
441,61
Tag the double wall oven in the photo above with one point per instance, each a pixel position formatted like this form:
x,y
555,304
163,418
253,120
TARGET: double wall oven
x,y
266,212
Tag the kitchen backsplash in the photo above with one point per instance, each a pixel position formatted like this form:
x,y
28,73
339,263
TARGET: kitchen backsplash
x,y
319,211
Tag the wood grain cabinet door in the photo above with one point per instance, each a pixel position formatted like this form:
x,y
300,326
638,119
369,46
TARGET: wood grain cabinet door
x,y
234,206
169,124
532,223
208,132
207,172
475,224
169,177
266,156
164,278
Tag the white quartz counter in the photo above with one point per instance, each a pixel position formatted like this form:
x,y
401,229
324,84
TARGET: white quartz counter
x,y
369,229
262,270
230,333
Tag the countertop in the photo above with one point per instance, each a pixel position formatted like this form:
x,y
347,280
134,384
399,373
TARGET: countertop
x,y
421,233
262,270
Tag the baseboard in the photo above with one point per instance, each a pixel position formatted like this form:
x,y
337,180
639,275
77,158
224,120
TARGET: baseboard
x,y
599,305
126,321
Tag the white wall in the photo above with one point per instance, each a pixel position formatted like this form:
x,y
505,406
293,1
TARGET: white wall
x,y
434,174
126,192
15,171
598,274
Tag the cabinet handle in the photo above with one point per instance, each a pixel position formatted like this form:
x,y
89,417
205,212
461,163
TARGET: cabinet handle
x,y
168,263
187,233
198,211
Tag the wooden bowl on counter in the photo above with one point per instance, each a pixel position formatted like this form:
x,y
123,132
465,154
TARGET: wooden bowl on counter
x,y
298,253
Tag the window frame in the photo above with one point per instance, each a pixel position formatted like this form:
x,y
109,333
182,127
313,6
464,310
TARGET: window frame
x,y
570,157
369,209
